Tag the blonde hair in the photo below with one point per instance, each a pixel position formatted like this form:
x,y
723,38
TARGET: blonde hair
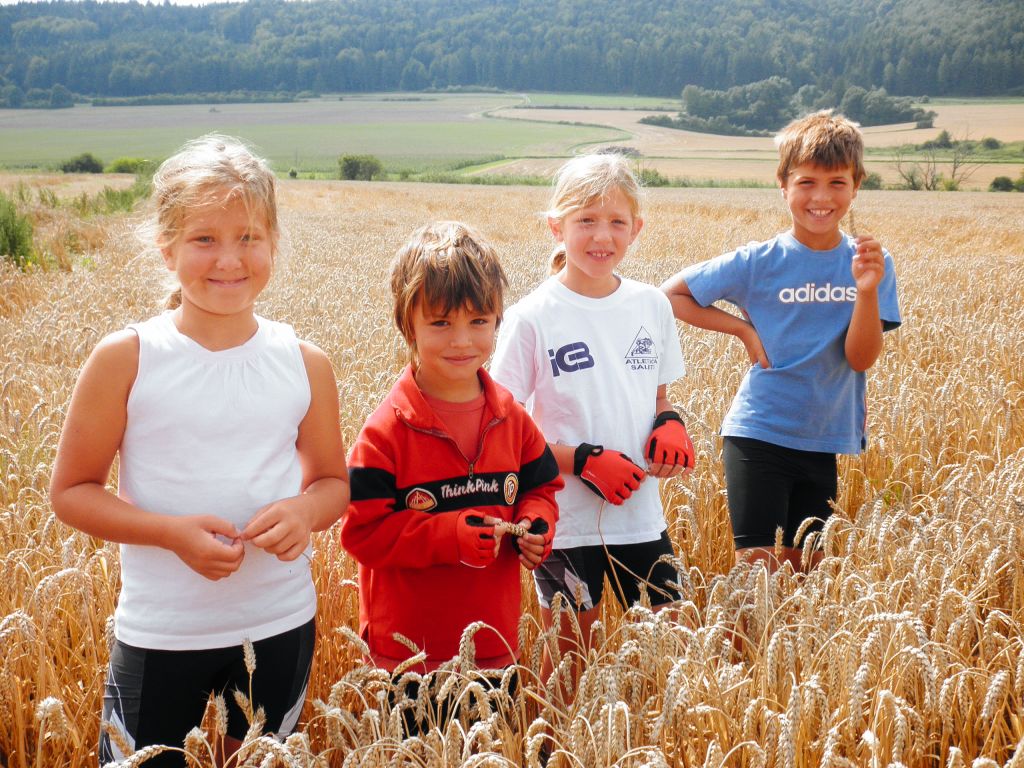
x,y
584,180
824,139
209,169
446,265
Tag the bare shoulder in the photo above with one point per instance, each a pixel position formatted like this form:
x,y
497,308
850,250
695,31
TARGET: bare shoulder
x,y
318,368
315,359
116,357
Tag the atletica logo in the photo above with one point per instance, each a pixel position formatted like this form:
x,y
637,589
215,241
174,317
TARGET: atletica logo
x,y
476,485
571,357
809,293
642,354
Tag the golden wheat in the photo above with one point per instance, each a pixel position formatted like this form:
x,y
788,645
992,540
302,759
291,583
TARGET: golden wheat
x,y
903,647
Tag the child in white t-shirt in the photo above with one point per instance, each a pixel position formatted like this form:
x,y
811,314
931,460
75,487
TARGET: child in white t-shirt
x,y
591,354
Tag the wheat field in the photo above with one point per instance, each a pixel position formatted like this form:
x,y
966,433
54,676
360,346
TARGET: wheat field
x,y
903,648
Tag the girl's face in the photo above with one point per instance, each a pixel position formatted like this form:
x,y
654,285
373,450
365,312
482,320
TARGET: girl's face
x,y
596,239
223,259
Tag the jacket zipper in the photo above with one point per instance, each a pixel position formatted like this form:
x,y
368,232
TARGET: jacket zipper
x,y
449,438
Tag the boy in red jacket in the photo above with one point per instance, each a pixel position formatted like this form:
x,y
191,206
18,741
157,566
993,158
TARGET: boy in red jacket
x,y
443,467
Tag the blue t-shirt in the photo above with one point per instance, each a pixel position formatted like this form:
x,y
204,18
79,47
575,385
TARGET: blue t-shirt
x,y
800,301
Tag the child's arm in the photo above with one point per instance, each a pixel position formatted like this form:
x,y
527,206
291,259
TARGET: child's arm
x,y
610,474
686,308
89,440
283,527
539,480
379,535
864,336
668,448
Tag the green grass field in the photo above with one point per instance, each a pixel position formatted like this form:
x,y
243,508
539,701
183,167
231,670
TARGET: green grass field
x,y
408,132
448,136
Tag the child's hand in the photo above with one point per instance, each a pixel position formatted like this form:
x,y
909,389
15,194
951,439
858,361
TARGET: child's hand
x,y
282,527
610,474
868,265
669,450
755,349
197,544
478,538
535,546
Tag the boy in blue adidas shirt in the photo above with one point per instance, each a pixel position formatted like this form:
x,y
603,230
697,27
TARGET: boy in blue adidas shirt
x,y
814,303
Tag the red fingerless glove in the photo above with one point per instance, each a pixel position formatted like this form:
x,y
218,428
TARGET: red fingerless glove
x,y
475,539
539,526
610,474
669,443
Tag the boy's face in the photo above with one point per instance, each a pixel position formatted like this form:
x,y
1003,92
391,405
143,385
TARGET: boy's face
x,y
818,198
451,349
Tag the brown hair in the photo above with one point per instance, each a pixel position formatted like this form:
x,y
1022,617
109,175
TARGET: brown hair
x,y
206,170
824,139
582,181
447,265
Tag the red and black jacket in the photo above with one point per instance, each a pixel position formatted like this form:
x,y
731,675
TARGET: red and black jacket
x,y
409,483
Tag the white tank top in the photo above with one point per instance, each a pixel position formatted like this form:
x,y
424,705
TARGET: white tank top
x,y
212,433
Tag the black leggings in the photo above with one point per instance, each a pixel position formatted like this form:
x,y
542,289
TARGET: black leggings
x,y
157,697
772,487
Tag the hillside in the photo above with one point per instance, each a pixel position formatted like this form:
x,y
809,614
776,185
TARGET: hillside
x,y
52,50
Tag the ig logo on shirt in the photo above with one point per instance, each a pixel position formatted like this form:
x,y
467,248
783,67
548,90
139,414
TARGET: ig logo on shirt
x,y
571,357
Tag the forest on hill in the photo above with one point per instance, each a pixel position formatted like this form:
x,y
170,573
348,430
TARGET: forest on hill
x,y
53,51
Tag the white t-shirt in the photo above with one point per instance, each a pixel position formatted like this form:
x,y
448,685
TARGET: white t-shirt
x,y
588,370
212,433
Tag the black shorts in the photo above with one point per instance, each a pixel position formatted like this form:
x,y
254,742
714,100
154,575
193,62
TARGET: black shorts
x,y
578,574
771,487
157,697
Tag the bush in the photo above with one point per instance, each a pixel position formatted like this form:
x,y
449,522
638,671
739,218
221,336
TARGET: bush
x,y
990,143
872,181
15,234
293,174
128,165
1001,184
360,167
650,177
83,163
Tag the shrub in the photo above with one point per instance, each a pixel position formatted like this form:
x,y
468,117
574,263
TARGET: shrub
x,y
650,177
83,163
128,165
293,174
15,234
1001,184
360,167
990,143
872,181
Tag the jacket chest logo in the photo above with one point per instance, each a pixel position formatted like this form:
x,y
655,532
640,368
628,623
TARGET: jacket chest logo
x,y
420,499
511,487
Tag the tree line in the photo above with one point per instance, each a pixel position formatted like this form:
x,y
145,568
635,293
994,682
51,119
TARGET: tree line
x,y
649,47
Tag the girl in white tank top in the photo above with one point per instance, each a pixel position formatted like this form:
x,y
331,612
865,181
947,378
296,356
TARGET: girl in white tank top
x,y
230,454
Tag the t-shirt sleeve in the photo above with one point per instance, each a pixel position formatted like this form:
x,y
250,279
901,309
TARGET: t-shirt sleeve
x,y
723,278
513,364
888,298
